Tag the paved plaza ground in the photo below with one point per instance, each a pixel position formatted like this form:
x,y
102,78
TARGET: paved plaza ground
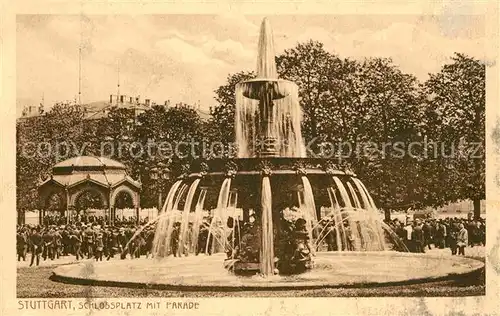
x,y
36,282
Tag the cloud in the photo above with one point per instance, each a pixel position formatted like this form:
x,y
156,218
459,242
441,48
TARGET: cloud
x,y
417,48
170,57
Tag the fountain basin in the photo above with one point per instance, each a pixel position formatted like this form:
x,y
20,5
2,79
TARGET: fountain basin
x,y
259,88
331,269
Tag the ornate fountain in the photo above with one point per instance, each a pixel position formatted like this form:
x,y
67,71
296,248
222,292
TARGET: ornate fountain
x,y
275,208
269,211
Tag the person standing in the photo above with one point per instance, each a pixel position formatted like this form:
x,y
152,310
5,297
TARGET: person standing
x,y
454,229
99,246
57,251
76,238
174,242
408,237
21,245
462,239
36,243
418,237
150,236
48,244
426,228
89,241
122,242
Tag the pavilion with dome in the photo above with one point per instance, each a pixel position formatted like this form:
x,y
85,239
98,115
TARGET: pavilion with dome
x,y
103,177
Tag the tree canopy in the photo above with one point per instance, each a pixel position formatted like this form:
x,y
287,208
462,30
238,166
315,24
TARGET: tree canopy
x,y
426,139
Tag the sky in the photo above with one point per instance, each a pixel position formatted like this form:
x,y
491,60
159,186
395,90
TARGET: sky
x,y
186,57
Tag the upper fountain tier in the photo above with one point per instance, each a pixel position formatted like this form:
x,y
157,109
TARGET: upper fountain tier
x,y
266,84
267,114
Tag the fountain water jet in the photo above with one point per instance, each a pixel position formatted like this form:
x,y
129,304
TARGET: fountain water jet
x,y
295,202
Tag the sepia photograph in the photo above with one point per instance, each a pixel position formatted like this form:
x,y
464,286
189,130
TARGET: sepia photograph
x,y
249,155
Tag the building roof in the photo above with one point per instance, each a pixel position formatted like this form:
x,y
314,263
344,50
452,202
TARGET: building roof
x,y
98,170
90,161
105,180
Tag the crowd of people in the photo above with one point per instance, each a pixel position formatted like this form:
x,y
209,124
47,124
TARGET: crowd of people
x,y
452,232
89,238
93,237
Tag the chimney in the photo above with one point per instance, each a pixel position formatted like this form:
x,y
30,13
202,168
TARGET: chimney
x,y
110,98
147,102
166,103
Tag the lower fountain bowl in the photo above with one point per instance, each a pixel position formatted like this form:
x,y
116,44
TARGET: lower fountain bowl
x,y
331,270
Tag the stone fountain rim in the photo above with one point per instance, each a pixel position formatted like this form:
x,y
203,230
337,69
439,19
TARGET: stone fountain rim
x,y
60,275
265,79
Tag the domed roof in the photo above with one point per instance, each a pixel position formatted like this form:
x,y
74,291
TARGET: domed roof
x,y
89,162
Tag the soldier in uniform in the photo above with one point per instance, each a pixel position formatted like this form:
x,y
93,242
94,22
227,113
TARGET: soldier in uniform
x,y
149,238
113,245
331,237
452,241
122,242
418,237
57,244
105,239
48,244
174,242
349,237
21,244
132,244
89,242
202,239
99,246
76,238
36,243
140,242
462,239
426,228
65,240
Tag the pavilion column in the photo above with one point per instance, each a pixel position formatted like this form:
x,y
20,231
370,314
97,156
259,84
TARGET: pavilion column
x,y
137,206
67,206
111,218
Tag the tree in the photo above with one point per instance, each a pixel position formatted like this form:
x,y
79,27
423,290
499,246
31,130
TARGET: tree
x,y
165,134
456,120
41,142
309,66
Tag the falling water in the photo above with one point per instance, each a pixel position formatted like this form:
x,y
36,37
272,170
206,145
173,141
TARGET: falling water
x,y
267,243
233,201
198,214
218,225
373,212
308,206
337,218
309,199
161,228
161,242
287,116
170,197
138,231
348,205
281,96
184,232
358,229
